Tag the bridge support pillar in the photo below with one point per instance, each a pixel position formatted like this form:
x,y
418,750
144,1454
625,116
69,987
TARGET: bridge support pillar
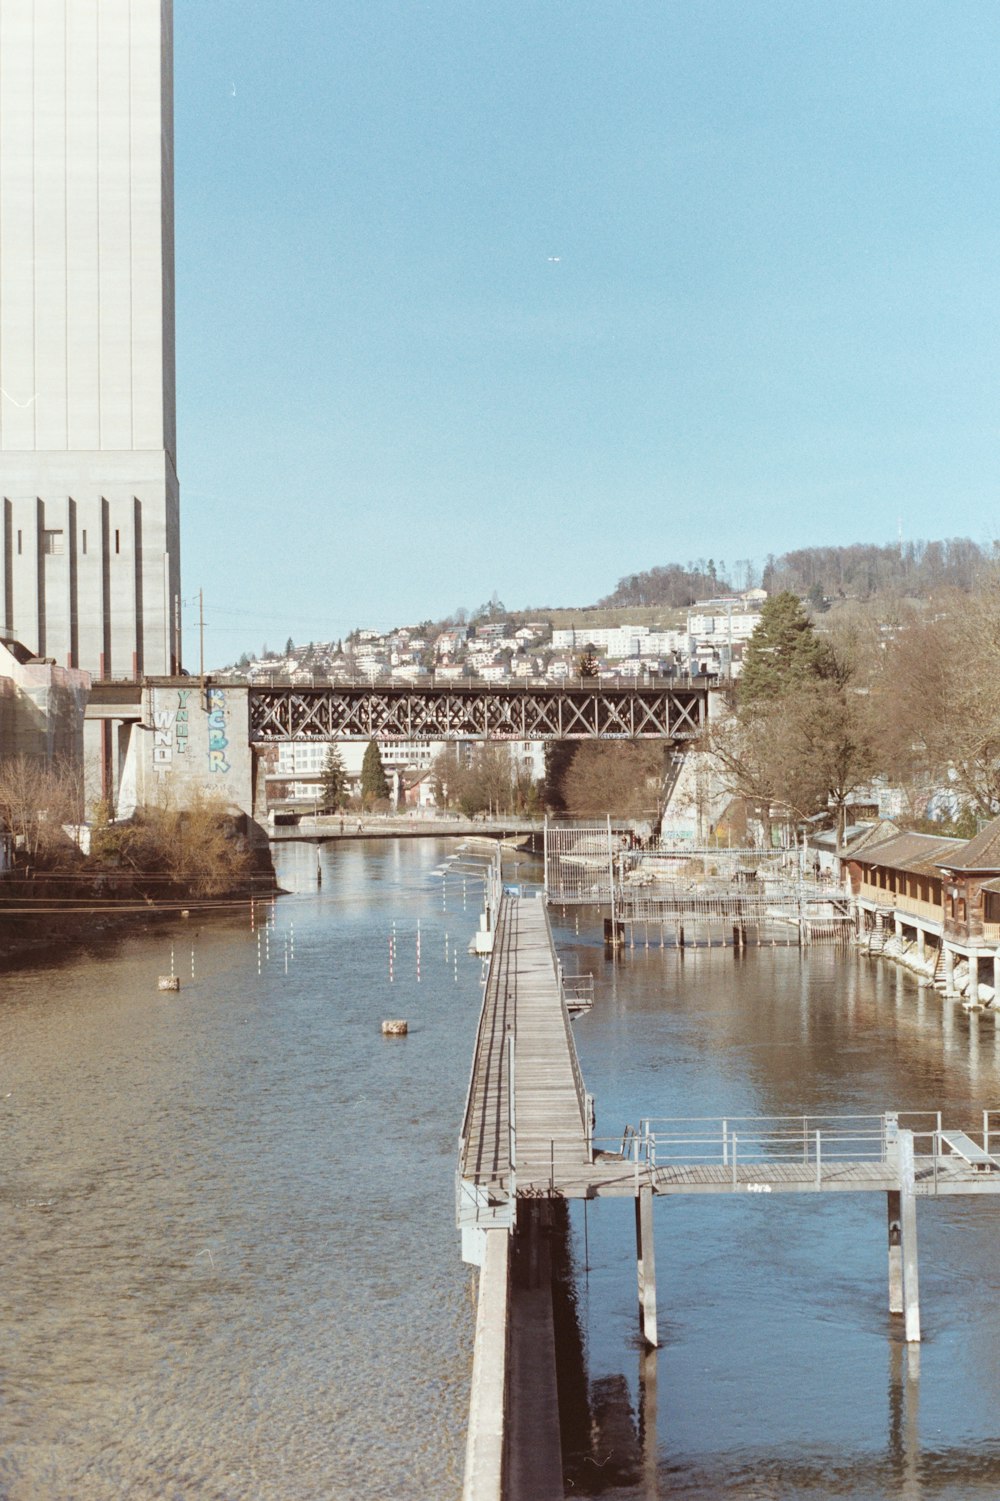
x,y
921,945
895,1251
996,972
646,1263
908,1237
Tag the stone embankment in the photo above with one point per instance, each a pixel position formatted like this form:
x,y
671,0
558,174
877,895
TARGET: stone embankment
x,y
904,951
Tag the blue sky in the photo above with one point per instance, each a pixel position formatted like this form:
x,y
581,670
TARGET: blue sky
x,y
519,296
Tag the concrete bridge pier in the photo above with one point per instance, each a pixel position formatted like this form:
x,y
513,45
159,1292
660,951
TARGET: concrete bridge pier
x,y
646,1264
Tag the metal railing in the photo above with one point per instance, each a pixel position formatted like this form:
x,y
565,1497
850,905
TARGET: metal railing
x,y
577,991
581,1089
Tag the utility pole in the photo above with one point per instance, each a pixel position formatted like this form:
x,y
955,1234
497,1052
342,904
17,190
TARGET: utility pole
x,y
201,638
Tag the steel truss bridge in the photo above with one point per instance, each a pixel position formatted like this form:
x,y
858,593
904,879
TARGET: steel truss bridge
x,y
476,713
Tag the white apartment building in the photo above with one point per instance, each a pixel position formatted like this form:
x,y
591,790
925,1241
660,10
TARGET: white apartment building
x,y
90,536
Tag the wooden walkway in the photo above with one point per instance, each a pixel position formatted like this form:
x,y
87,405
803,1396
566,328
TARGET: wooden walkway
x,y
523,1001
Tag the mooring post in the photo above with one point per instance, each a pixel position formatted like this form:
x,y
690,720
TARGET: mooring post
x,y
908,1235
895,1251
646,1262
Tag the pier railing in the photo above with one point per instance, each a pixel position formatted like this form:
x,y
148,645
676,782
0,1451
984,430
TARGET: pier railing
x,y
814,1143
564,1005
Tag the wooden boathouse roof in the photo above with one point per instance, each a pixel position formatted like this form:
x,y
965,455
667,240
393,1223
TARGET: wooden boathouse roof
x,y
979,854
917,854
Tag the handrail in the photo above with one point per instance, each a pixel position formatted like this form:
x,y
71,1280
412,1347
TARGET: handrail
x,y
581,1091
748,1141
491,983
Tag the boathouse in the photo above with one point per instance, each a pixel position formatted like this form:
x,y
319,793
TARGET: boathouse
x,y
944,893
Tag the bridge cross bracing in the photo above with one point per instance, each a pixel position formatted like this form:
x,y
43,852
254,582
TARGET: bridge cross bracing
x,y
355,712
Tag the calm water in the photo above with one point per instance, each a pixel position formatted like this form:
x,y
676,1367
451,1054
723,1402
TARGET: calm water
x,y
781,1374
230,1268
229,1262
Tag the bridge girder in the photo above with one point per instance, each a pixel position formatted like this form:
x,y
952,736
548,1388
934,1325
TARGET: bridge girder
x,y
362,713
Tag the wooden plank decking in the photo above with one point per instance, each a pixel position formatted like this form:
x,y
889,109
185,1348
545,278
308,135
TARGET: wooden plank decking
x,y
523,997
552,1157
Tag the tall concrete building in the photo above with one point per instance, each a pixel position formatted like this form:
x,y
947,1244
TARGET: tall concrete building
x,y
89,551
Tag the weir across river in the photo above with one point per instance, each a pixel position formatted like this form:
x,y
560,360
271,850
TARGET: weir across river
x,y
527,1141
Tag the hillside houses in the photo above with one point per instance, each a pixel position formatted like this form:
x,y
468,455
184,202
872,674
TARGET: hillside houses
x,y
507,650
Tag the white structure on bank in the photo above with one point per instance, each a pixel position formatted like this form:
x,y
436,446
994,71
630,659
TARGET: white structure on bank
x,y
89,543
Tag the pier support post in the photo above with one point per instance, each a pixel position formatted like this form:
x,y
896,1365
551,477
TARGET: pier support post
x,y
895,1251
921,945
646,1263
908,1235
996,972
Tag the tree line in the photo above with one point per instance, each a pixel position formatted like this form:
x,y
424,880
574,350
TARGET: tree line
x,y
858,571
912,697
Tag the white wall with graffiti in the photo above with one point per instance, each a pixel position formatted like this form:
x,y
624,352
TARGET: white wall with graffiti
x,y
189,739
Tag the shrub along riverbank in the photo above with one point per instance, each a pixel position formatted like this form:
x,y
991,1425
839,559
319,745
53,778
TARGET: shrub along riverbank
x,y
158,865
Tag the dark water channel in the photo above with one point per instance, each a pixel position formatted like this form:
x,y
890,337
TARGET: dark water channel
x,y
229,1262
781,1374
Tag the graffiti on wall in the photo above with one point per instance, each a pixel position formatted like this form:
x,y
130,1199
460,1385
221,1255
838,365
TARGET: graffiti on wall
x,y
218,741
170,730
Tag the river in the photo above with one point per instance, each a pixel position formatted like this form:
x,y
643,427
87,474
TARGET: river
x,y
230,1267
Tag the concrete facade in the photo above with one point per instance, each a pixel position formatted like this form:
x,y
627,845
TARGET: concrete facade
x,y
189,741
41,709
90,535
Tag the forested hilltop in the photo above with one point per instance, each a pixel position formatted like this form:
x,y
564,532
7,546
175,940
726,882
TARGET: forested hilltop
x,y
860,571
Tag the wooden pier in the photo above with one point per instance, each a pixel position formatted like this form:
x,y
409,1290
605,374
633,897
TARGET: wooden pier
x,y
527,1140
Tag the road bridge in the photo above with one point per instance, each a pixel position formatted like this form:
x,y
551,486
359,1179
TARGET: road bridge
x,y
527,1142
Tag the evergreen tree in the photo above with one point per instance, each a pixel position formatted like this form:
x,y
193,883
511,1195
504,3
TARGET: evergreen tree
x,y
334,779
289,647
783,653
589,666
374,782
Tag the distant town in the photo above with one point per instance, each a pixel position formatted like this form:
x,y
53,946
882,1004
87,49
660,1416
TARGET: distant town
x,y
503,648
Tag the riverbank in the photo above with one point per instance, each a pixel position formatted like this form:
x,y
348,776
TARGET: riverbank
x,y
55,935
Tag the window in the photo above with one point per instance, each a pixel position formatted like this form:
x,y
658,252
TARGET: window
x,y
53,543
118,540
84,541
20,549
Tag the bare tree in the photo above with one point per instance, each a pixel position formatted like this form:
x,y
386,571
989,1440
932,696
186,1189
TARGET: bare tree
x,y
619,777
36,801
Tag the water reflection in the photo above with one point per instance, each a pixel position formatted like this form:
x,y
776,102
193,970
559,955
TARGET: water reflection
x,y
781,1372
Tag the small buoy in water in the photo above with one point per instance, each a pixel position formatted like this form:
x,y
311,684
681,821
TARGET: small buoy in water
x,y
394,1029
169,982
185,912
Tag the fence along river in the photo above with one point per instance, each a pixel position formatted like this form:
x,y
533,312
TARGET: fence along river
x,y
230,1262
